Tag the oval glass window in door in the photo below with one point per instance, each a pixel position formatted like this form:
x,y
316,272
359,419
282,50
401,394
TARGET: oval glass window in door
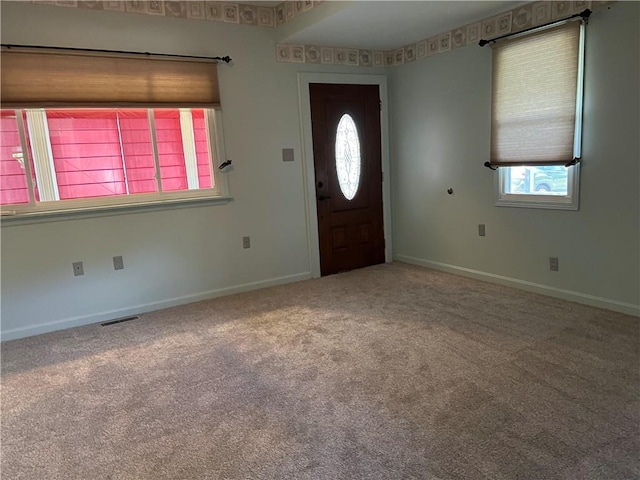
x,y
348,156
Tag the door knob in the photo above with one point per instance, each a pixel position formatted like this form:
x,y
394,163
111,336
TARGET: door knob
x,y
323,197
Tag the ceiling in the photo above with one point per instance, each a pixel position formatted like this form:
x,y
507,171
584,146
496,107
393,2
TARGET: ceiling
x,y
385,25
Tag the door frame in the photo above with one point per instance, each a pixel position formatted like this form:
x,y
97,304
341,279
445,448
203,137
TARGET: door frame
x,y
308,173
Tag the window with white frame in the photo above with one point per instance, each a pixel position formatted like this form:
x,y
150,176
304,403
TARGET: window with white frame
x,y
119,152
52,159
537,117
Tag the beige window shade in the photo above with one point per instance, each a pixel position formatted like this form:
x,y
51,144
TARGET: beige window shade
x,y
535,94
50,78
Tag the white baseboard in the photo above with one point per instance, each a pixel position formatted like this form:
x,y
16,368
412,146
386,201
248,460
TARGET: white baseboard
x,y
147,307
606,303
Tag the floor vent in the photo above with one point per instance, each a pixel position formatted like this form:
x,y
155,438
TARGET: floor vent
x,y
119,320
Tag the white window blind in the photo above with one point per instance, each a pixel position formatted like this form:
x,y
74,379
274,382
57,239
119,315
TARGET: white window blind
x,y
537,97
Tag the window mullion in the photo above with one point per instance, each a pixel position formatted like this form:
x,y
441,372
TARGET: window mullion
x,y
25,156
124,165
189,147
154,147
42,155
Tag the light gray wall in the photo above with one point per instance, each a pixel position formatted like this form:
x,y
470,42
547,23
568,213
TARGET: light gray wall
x,y
440,129
172,256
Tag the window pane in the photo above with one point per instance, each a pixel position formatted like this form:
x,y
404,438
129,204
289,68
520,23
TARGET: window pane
x,y
138,154
87,158
13,178
347,150
542,180
202,148
173,172
102,152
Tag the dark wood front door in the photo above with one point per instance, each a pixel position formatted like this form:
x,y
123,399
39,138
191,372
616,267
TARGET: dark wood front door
x,y
348,173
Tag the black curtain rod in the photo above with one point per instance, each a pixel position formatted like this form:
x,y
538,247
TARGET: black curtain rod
x,y
584,14
225,59
492,166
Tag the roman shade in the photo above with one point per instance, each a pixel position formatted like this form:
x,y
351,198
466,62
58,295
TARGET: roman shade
x,y
537,98
46,78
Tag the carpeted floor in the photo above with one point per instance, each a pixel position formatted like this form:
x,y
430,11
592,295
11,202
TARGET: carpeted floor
x,y
390,372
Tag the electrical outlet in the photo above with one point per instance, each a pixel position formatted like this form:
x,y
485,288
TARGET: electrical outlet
x,y
78,269
553,264
287,155
246,242
481,230
118,263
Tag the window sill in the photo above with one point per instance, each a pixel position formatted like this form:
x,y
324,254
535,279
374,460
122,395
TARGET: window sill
x,y
108,210
541,205
538,201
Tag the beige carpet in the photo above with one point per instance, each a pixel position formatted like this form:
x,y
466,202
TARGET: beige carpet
x,y
390,372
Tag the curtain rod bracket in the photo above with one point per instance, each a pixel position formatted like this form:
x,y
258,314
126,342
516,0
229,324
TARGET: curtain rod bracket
x,y
489,166
573,162
224,164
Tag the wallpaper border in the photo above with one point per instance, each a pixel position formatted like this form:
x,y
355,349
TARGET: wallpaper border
x,y
511,21
228,12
